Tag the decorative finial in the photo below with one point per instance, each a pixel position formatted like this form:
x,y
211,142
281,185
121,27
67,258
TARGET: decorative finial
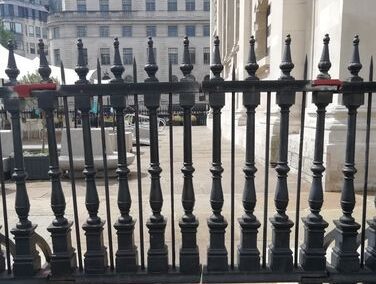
x,y
324,64
12,70
151,67
286,65
355,65
81,67
117,69
44,70
252,66
216,66
186,67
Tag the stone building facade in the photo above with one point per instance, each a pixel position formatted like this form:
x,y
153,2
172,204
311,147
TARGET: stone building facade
x,y
234,21
27,20
98,22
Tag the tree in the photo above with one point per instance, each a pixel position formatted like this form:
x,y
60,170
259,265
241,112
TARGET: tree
x,y
5,35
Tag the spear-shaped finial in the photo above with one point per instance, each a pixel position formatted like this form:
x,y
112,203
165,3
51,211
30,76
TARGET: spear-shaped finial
x,y
186,67
117,69
151,67
216,66
252,66
286,65
324,64
12,70
81,67
355,65
44,70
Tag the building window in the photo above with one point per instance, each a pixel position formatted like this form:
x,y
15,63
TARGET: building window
x,y
172,5
105,56
150,5
206,55
127,5
190,5
172,31
173,56
127,31
31,30
18,27
57,58
190,30
206,30
151,31
81,31
104,31
128,56
192,54
37,32
81,5
206,5
44,32
55,32
32,48
104,6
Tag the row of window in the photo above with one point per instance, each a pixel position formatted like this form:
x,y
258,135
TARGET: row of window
x,y
172,5
10,10
31,31
127,31
128,55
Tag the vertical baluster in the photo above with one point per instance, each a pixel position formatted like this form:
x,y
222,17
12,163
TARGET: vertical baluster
x,y
63,259
157,253
370,251
27,260
217,252
126,256
189,252
312,253
96,254
248,254
344,255
280,254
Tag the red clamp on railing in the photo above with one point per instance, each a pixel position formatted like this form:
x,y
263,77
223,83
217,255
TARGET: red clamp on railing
x,y
327,82
24,91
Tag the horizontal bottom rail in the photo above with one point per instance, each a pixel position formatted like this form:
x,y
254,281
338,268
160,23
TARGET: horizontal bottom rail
x,y
174,276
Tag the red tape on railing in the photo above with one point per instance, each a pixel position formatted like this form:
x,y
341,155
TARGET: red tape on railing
x,y
24,91
327,82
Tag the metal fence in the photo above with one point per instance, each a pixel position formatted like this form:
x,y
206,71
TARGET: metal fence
x,y
353,259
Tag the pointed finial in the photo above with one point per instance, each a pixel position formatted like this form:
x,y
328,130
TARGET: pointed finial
x,y
324,64
81,67
117,69
186,66
12,70
44,70
252,66
151,67
216,66
286,65
355,65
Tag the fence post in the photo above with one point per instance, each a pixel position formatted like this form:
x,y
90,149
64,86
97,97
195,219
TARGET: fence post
x,y
312,253
217,252
345,257
96,254
189,252
27,260
248,254
158,252
63,259
126,256
280,254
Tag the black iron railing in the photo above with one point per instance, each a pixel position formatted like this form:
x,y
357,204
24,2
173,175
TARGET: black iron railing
x,y
271,262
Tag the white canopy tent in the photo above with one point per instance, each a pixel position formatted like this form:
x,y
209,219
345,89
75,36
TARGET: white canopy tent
x,y
30,66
